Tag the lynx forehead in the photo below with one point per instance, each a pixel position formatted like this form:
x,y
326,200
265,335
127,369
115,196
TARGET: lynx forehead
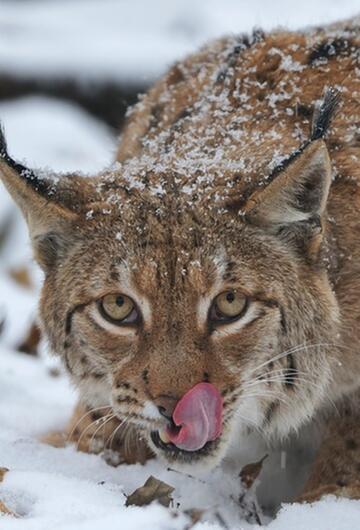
x,y
202,281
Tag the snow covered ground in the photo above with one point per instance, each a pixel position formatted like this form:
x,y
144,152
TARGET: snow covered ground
x,y
63,489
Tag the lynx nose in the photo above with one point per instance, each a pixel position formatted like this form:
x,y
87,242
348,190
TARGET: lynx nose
x,y
166,405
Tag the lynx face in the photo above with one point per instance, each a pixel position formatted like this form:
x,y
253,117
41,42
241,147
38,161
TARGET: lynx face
x,y
149,294
144,325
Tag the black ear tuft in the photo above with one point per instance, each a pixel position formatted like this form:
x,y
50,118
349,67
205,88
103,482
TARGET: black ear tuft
x,y
3,146
324,114
41,186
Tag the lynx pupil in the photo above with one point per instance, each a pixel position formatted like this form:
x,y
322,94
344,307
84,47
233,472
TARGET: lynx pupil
x,y
230,297
119,301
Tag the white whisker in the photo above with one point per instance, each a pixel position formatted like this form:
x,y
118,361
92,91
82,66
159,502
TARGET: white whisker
x,y
108,418
95,422
83,417
291,351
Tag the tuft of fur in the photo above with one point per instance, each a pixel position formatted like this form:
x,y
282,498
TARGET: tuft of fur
x,y
39,185
324,114
3,146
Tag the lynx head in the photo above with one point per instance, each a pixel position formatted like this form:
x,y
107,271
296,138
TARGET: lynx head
x,y
186,309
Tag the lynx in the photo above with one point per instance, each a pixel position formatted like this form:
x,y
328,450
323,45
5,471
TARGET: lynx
x,y
209,279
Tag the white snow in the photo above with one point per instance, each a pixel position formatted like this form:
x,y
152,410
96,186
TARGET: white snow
x,y
63,489
135,40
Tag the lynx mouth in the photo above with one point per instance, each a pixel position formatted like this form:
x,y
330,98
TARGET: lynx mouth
x,y
196,419
194,429
171,450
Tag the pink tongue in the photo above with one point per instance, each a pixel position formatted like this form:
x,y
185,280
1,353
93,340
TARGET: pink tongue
x,y
199,416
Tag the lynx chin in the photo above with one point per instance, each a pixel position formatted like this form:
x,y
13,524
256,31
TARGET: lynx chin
x,y
210,279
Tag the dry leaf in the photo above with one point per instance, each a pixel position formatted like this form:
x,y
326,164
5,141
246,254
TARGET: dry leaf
x,y
22,277
4,510
249,507
195,516
31,342
3,470
152,490
250,472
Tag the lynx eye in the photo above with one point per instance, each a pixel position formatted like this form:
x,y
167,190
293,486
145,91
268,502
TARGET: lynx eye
x,y
119,309
228,306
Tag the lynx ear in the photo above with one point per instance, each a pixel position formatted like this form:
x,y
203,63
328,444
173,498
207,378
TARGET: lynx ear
x,y
296,198
50,209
